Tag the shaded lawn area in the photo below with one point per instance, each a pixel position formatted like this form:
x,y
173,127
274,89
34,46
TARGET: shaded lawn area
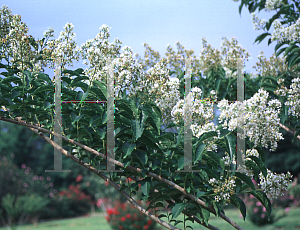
x,y
97,221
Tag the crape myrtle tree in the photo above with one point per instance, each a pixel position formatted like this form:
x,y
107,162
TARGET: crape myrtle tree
x,y
148,102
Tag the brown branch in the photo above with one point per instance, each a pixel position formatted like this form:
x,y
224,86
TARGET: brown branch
x,y
199,201
289,130
103,176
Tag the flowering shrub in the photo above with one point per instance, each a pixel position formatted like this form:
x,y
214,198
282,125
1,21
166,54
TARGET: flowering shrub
x,y
294,192
125,216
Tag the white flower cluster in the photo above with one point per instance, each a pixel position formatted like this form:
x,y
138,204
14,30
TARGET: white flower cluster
x,y
201,112
274,184
272,4
226,159
261,119
242,168
223,189
96,51
258,24
64,46
212,58
232,51
294,98
289,33
251,152
280,33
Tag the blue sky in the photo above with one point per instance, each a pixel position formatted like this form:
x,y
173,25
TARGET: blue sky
x,y
155,22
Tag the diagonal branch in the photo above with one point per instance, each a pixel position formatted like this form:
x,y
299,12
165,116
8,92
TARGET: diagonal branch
x,y
179,188
289,130
103,176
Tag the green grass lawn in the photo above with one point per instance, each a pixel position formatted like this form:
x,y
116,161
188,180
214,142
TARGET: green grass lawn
x,y
97,221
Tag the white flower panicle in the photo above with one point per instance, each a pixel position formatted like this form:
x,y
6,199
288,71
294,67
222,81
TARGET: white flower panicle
x,y
223,189
294,98
272,4
261,120
201,112
274,184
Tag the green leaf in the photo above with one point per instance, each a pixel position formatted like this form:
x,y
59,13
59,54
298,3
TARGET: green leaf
x,y
145,186
153,118
128,148
44,88
260,165
213,159
177,209
77,79
199,152
263,199
261,37
230,141
142,157
200,193
75,118
4,87
239,203
44,77
208,135
245,179
81,85
181,163
13,79
71,72
28,77
291,58
102,87
14,93
205,215
47,104
137,129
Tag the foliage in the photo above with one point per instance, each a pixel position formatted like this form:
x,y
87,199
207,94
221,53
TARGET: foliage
x,y
20,209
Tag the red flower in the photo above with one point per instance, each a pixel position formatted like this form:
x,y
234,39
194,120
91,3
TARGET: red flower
x,y
110,211
149,222
62,193
123,219
79,178
71,187
128,216
107,218
146,226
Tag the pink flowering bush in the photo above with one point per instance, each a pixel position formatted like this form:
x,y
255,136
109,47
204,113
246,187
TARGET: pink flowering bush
x,y
294,192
